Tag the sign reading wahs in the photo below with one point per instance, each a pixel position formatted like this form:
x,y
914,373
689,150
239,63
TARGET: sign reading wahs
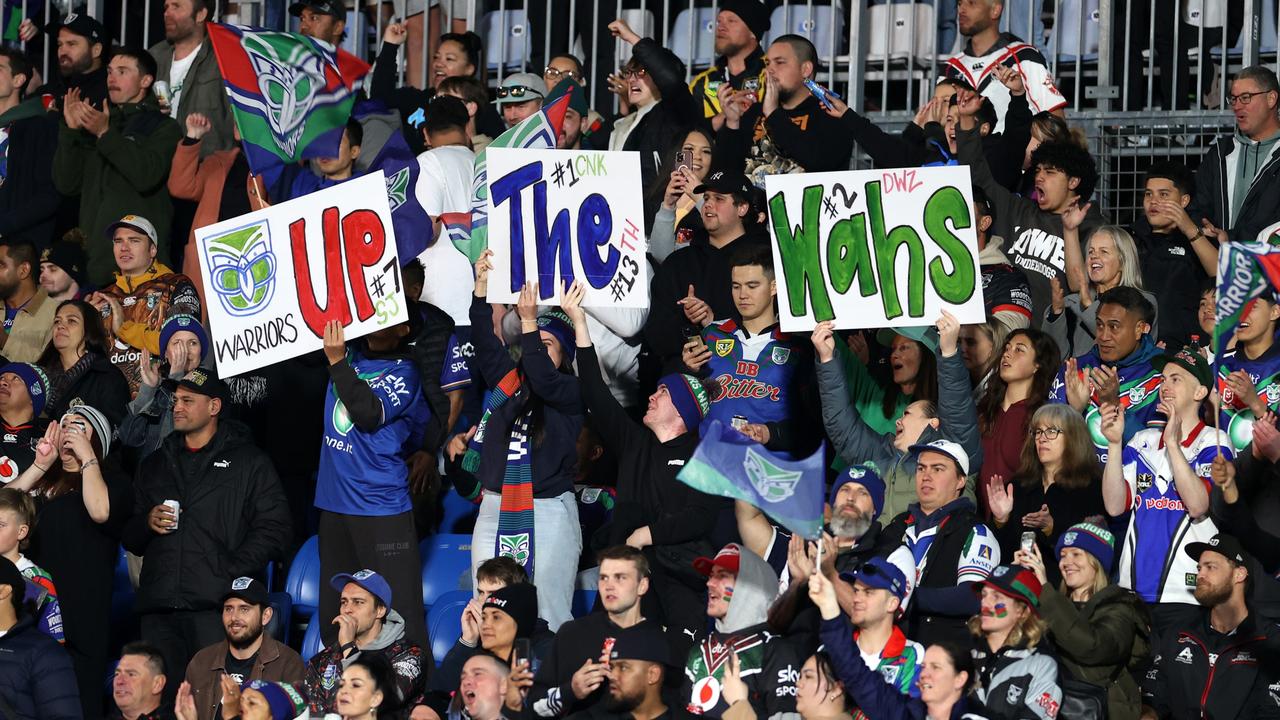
x,y
273,278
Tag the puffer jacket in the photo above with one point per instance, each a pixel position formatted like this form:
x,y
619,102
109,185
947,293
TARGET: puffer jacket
x,y
234,519
1017,682
1097,641
36,679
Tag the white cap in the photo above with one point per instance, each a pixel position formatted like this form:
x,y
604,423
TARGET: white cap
x,y
134,222
948,448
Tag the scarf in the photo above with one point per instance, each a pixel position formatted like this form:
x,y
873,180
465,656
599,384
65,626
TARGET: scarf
x,y
515,516
62,381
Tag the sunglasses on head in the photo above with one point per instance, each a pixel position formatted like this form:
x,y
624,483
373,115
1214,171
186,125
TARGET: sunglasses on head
x,y
516,91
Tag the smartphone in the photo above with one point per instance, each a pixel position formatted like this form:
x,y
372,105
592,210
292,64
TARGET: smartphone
x,y
751,84
822,94
520,653
1028,541
684,158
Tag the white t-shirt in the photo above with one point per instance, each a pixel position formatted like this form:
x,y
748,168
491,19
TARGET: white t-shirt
x,y
178,78
444,189
1042,91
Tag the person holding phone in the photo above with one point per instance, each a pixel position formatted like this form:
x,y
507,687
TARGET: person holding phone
x,y
508,623
679,216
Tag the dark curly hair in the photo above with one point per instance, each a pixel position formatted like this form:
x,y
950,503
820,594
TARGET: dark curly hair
x,y
1072,160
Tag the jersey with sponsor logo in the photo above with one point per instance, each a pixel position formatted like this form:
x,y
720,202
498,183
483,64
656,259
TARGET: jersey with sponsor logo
x,y
1042,92
898,663
1139,392
364,473
1237,418
456,373
980,555
767,663
754,374
1160,526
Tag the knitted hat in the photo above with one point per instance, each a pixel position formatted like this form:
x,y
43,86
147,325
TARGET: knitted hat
x,y
689,396
99,422
753,13
1092,539
189,323
866,475
36,381
577,95
561,327
69,256
284,701
520,601
1015,581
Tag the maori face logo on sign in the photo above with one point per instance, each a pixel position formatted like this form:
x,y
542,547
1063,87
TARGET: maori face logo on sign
x,y
242,267
289,85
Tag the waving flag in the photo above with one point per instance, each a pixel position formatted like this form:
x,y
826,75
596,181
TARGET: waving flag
x,y
730,464
539,130
290,95
397,161
1246,270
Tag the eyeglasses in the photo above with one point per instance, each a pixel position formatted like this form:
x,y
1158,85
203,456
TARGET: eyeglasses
x,y
517,91
632,72
1244,98
556,73
1049,433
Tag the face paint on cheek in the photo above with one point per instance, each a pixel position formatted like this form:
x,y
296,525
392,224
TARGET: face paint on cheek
x,y
999,611
728,594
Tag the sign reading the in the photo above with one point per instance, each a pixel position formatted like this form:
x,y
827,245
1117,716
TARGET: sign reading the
x,y
875,248
274,277
563,214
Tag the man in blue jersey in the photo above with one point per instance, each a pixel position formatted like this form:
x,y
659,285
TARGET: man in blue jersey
x,y
374,418
759,370
1117,370
1163,476
1249,374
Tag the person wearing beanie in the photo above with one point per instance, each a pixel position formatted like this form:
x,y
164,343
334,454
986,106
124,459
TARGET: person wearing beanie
x,y
655,512
740,27
507,614
1095,625
79,367
62,271
185,346
520,458
24,390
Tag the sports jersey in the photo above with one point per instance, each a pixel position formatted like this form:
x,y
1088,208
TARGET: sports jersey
x,y
41,592
1237,419
364,473
767,663
899,664
17,447
1163,571
1139,392
981,553
754,374
979,72
456,373
1005,289
704,85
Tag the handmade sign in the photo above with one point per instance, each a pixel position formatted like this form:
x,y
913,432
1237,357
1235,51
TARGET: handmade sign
x,y
563,214
875,248
273,278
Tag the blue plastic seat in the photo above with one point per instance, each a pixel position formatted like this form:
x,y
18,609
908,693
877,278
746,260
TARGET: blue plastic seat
x,y
446,560
121,590
281,611
459,513
444,621
303,582
583,601
311,640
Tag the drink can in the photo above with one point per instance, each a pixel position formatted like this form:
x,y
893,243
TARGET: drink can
x,y
606,652
176,507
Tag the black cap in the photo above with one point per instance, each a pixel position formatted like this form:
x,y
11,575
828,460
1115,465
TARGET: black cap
x,y
728,182
645,642
68,255
1222,543
203,382
11,576
248,590
80,24
336,8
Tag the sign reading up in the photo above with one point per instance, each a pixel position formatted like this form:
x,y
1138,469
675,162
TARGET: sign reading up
x,y
274,277
875,248
563,214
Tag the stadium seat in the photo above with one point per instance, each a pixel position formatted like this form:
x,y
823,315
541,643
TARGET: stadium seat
x,y
506,39
890,35
459,513
303,582
823,25
583,601
701,23
1076,38
1023,18
311,640
444,621
121,591
642,22
281,611
446,560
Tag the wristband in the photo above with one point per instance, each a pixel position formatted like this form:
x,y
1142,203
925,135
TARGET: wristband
x,y
89,464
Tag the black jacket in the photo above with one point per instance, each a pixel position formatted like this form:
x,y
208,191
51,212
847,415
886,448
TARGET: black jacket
x,y
1184,683
1212,200
102,387
28,200
804,134
575,642
36,679
234,519
429,331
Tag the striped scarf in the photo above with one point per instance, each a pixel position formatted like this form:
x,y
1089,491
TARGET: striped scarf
x,y
515,518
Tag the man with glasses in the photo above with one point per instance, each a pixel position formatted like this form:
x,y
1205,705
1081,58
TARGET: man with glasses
x,y
568,66
519,97
1237,193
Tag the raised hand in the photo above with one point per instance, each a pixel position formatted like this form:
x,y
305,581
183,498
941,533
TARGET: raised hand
x,y
571,301
483,266
999,498
823,594
1010,78
527,305
623,32
1113,423
395,33
198,126
824,340
1106,382
948,334
1078,390
1074,215
696,310
148,373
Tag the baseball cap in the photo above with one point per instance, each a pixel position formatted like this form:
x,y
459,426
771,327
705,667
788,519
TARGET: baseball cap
x,y
1222,543
367,579
924,334
577,95
521,87
336,8
879,573
728,182
1015,581
67,255
134,222
203,382
948,448
248,590
645,642
728,558
1187,359
80,24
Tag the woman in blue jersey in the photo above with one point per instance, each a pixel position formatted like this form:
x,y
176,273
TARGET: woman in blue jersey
x,y
523,452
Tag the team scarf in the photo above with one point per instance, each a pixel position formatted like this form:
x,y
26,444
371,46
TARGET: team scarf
x,y
515,517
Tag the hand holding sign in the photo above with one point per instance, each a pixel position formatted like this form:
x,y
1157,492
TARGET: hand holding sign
x,y
824,341
527,307
483,266
335,342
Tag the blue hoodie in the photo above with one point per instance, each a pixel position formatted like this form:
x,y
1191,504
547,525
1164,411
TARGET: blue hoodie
x,y
1139,391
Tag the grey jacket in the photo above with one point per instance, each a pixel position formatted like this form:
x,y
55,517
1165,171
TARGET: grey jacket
x,y
203,92
856,442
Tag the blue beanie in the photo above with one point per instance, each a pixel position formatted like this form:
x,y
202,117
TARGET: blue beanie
x,y
180,322
284,701
35,380
689,396
560,327
1092,539
866,475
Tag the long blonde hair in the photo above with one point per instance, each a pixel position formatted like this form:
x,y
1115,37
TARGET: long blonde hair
x,y
1030,629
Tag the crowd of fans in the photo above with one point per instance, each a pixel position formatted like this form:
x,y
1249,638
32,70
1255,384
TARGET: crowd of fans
x,y
1069,510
